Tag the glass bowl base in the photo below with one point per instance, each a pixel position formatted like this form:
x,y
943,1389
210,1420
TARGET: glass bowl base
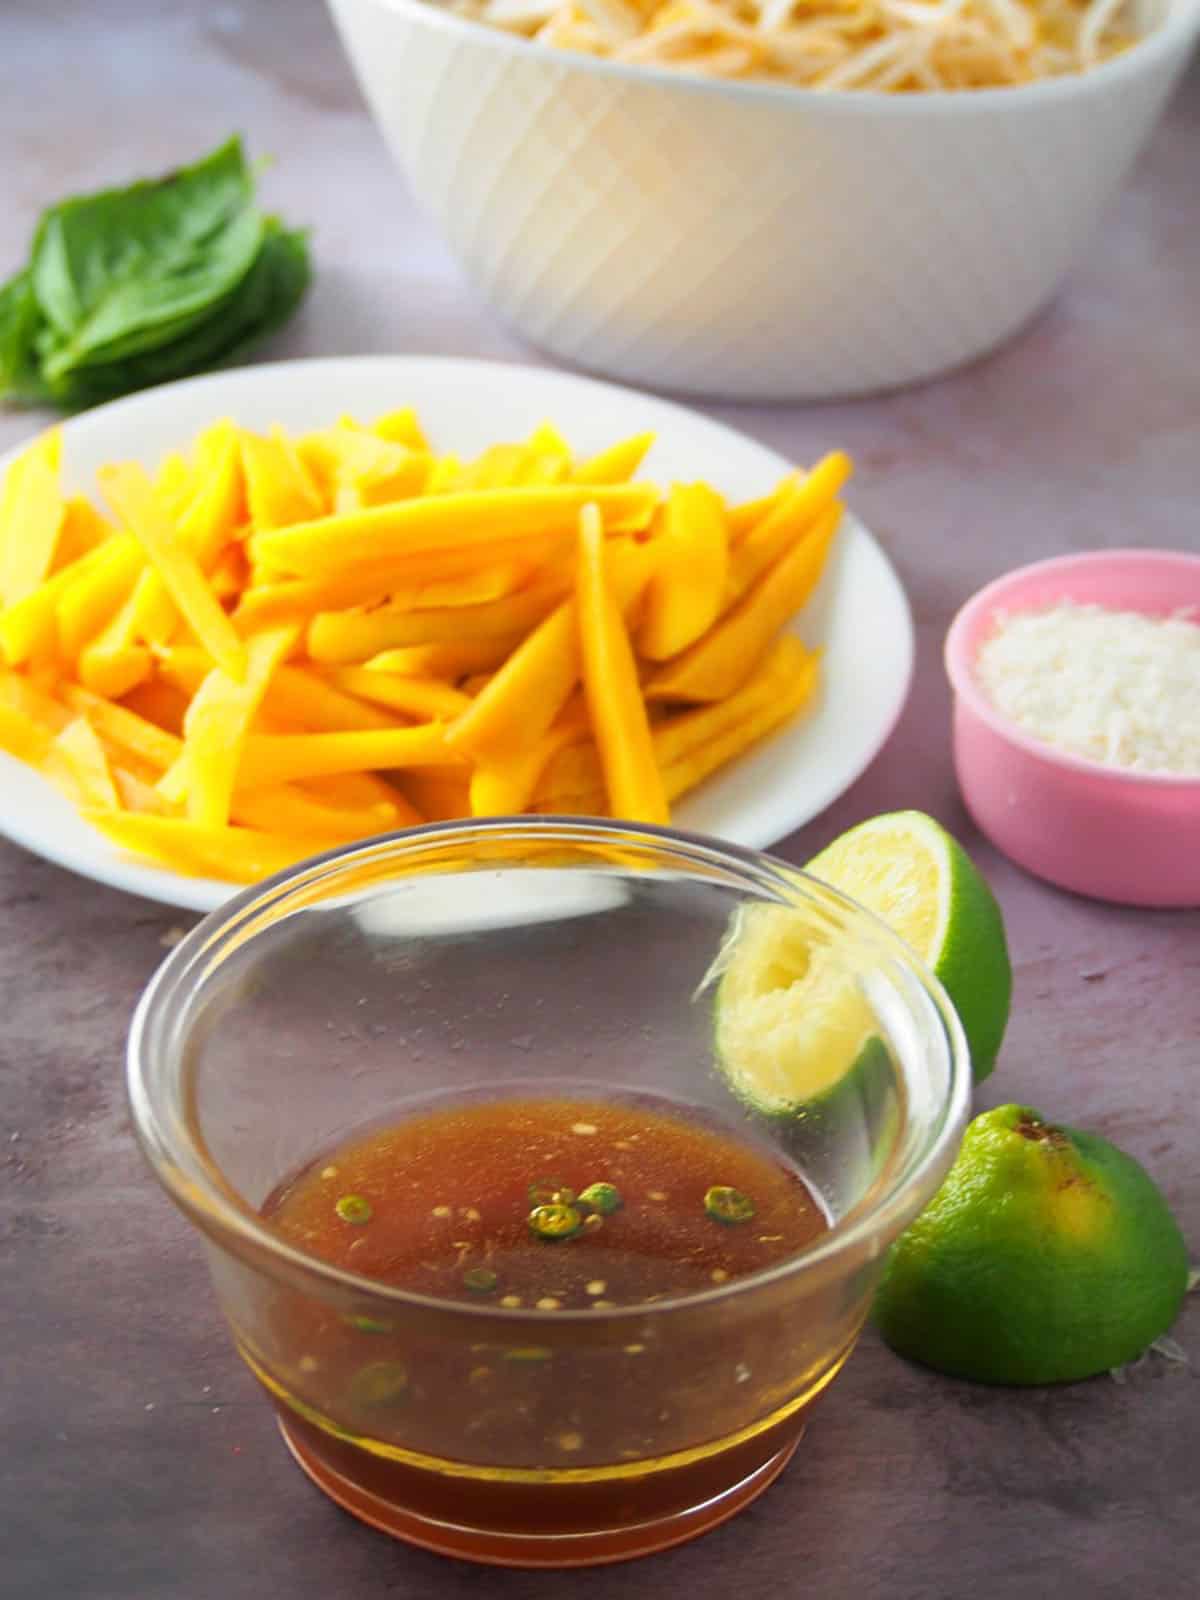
x,y
496,1547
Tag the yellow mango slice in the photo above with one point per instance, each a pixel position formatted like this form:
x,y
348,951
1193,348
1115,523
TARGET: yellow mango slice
x,y
288,809
31,517
21,736
721,662
278,490
794,512
129,492
83,528
85,756
310,703
357,791
349,636
444,474
450,660
687,591
136,793
516,708
28,630
284,757
426,699
241,855
117,658
401,427
691,746
215,727
89,601
617,464
507,788
33,701
446,522
439,796
215,508
744,516
126,730
615,705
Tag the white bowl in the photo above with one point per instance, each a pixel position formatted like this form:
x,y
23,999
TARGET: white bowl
x,y
747,240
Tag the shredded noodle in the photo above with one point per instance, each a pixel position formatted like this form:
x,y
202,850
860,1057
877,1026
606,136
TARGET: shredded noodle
x,y
896,45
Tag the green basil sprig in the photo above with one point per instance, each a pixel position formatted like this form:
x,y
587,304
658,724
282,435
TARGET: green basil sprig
x,y
136,286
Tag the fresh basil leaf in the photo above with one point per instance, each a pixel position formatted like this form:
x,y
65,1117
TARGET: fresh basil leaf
x,y
20,321
126,269
263,301
140,285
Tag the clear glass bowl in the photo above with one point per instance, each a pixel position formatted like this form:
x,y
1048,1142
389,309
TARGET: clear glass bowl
x,y
531,956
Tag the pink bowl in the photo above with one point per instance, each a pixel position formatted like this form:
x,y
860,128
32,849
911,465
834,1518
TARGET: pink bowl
x,y
1103,831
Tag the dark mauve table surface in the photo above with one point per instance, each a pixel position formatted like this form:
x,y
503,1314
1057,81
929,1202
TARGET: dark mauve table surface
x,y
138,1458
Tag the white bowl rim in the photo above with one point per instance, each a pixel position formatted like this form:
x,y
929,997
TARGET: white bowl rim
x,y
1172,36
962,681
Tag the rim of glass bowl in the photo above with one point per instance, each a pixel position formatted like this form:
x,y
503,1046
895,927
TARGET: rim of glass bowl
x,y
1170,35
160,1024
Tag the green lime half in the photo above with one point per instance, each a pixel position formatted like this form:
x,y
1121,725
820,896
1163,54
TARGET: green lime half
x,y
912,874
791,1025
1046,1256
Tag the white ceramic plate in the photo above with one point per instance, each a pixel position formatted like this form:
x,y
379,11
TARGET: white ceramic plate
x,y
859,614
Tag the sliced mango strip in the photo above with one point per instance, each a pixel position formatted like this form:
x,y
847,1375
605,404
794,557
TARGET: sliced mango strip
x,y
507,789
350,636
439,796
356,791
515,709
450,660
788,520
426,699
128,731
27,629
282,758
31,517
88,602
83,528
244,854
741,518
128,491
617,464
610,681
696,743
309,703
446,522
278,490
215,727
114,662
288,809
691,746
722,661
214,509
24,695
401,427
137,793
687,591
21,736
85,756
114,669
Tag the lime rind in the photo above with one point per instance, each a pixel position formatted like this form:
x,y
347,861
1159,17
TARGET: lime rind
x,y
879,862
1047,1256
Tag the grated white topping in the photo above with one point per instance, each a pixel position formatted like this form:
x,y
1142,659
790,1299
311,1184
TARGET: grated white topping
x,y
1115,687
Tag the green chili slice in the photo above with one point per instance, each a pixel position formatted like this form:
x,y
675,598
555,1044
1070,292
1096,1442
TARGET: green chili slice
x,y
354,1208
602,1197
381,1383
555,1221
728,1205
480,1280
